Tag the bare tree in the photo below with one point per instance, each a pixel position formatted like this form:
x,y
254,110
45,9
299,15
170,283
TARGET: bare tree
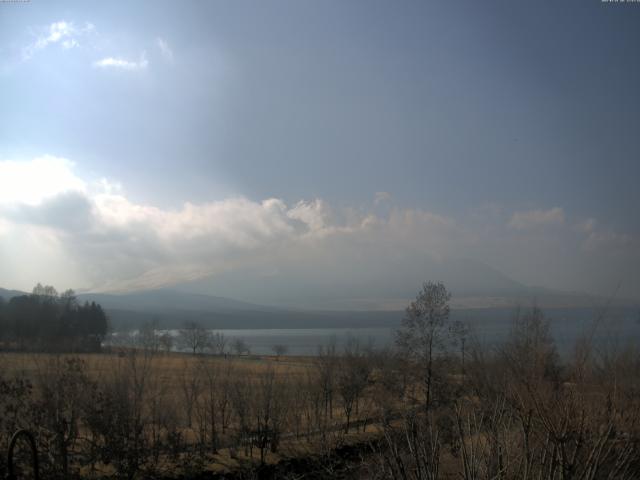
x,y
280,350
191,386
269,408
210,372
241,396
116,417
148,337
194,337
352,378
219,343
326,364
240,346
166,342
62,391
425,332
225,384
530,350
409,451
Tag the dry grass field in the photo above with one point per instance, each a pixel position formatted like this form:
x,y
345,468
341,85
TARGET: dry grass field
x,y
217,413
170,368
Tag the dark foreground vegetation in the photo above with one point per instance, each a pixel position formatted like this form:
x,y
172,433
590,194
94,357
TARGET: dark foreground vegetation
x,y
438,405
46,321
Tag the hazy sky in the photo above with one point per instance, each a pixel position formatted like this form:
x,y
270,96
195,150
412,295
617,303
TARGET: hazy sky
x,y
164,142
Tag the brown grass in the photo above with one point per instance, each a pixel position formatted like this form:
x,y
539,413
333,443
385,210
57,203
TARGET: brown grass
x,y
169,367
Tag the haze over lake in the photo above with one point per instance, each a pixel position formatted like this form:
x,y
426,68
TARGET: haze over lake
x,y
618,329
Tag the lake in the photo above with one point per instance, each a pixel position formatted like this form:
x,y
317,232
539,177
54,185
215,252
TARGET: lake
x,y
618,328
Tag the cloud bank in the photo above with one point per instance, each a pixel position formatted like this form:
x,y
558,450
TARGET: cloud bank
x,y
63,229
537,218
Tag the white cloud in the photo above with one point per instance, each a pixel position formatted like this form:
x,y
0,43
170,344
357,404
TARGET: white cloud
x,y
57,31
165,49
123,64
109,187
314,215
70,43
109,242
606,240
533,219
31,182
121,244
599,239
62,32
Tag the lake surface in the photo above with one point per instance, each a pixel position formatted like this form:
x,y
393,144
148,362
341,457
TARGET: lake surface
x,y
306,341
618,329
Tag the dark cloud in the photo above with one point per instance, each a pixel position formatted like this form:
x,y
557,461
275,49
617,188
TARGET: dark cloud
x,y
69,212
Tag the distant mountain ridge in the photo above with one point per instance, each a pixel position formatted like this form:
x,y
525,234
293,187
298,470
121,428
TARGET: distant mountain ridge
x,y
8,294
161,300
170,308
302,286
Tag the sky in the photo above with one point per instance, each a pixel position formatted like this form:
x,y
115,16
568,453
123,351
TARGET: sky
x,y
327,149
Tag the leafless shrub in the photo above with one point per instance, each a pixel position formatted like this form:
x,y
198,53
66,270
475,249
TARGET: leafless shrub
x,y
409,451
62,388
326,364
116,416
352,379
190,388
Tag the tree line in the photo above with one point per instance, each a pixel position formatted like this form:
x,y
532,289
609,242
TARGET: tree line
x,y
48,321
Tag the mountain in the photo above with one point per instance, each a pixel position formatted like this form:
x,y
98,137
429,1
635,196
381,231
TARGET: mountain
x,y
362,296
163,300
356,284
171,309
8,294
465,277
